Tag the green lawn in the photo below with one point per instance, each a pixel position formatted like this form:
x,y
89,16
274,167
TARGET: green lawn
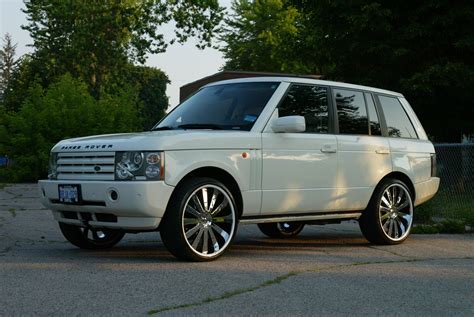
x,y
446,212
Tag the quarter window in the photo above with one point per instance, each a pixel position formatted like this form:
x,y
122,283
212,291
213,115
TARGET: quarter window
x,y
308,101
351,112
398,123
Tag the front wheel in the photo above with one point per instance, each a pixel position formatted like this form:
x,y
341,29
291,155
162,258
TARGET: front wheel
x,y
388,218
200,221
92,239
281,229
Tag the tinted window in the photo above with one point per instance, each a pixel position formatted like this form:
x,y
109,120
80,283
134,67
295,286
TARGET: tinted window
x,y
351,112
398,123
373,117
308,101
229,107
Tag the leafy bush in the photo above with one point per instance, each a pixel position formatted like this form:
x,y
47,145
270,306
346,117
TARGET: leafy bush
x,y
64,110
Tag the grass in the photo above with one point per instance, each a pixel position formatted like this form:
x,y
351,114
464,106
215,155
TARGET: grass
x,y
445,226
447,207
446,213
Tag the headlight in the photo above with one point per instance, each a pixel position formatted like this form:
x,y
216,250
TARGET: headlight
x,y
53,166
139,166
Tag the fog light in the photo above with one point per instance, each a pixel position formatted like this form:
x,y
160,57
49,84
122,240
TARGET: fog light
x,y
113,195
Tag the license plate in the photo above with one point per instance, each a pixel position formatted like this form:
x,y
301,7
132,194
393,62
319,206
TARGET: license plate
x,y
69,194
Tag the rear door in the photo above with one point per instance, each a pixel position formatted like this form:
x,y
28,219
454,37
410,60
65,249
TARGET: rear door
x,y
363,153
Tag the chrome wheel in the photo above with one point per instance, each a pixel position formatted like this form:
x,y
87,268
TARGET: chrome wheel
x,y
283,230
88,238
396,212
290,228
95,236
208,220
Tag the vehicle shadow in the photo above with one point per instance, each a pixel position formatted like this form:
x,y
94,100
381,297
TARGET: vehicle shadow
x,y
147,251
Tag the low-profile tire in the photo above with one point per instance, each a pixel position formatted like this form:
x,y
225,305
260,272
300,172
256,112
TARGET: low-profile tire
x,y
281,229
91,239
200,221
388,218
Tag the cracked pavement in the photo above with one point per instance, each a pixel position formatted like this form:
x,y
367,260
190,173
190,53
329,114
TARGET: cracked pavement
x,y
327,270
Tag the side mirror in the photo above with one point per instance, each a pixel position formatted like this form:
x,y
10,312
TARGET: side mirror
x,y
289,124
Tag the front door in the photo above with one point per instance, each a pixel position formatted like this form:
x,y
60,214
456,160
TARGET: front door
x,y
299,169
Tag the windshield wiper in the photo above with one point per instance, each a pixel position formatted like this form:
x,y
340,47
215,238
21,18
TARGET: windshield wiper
x,y
166,127
200,126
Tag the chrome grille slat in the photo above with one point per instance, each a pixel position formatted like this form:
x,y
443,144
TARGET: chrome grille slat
x,y
86,161
85,169
86,166
89,177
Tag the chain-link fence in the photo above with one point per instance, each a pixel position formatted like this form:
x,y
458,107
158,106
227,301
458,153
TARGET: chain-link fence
x,y
455,198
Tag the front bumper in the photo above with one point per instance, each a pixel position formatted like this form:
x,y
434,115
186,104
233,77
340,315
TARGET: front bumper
x,y
138,205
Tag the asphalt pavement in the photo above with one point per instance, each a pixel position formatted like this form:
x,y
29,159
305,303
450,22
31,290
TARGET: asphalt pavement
x,y
327,270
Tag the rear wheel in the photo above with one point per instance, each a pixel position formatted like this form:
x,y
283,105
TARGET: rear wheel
x,y
281,229
388,218
201,220
88,238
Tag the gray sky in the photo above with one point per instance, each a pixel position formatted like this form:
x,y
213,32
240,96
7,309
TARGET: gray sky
x,y
182,63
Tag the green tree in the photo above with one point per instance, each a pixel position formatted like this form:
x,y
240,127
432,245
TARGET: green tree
x,y
262,35
150,84
417,48
93,40
23,76
7,63
64,110
422,49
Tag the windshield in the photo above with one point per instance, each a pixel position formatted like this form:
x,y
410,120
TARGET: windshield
x,y
222,107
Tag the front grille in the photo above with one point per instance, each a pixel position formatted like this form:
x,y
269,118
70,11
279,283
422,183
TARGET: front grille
x,y
86,166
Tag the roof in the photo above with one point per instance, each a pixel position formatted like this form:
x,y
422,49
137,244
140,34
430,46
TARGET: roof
x,y
306,80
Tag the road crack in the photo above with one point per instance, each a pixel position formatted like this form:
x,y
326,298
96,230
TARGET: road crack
x,y
388,251
280,278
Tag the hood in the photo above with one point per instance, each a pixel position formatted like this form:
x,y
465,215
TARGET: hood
x,y
162,140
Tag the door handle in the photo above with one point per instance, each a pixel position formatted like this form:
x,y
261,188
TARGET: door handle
x,y
382,151
329,148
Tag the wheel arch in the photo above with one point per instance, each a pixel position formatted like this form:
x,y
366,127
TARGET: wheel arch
x,y
401,177
218,174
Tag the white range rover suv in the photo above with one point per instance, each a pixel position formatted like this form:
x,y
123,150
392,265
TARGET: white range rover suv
x,y
280,152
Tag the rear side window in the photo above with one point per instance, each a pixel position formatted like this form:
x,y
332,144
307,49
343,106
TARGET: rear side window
x,y
308,101
373,117
351,112
398,123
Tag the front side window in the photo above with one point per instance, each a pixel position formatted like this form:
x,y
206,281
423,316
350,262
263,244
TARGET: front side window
x,y
351,112
308,101
223,107
398,123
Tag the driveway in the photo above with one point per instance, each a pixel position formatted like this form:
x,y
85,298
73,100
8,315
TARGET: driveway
x,y
327,270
